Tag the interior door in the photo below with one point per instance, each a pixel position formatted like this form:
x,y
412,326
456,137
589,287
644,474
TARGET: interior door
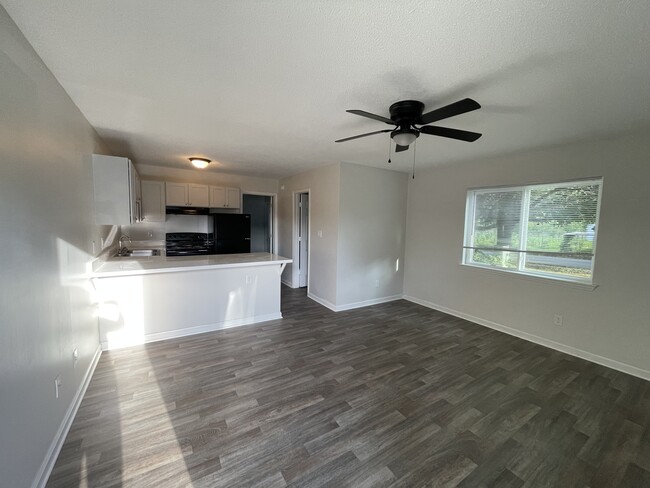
x,y
303,239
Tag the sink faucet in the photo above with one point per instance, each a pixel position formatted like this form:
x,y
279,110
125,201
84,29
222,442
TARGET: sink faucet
x,y
121,249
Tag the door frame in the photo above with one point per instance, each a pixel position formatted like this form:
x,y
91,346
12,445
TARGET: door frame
x,y
274,215
295,278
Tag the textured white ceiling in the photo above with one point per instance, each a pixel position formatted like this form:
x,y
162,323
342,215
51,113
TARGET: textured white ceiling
x,y
262,86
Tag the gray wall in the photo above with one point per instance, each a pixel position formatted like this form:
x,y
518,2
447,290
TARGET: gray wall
x,y
611,322
361,212
323,184
46,304
372,226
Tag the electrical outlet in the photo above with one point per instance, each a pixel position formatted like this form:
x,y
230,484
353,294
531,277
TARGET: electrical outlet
x,y
75,357
57,386
248,280
320,233
376,283
557,319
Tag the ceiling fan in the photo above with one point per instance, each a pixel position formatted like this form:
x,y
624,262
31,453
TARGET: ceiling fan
x,y
406,115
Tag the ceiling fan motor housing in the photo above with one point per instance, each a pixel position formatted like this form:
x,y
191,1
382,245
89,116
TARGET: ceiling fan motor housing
x,y
406,113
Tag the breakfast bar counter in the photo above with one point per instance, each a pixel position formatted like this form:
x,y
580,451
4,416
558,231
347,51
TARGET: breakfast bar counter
x,y
155,298
125,266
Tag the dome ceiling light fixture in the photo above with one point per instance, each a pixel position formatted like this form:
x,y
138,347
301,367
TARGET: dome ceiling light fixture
x,y
404,137
200,163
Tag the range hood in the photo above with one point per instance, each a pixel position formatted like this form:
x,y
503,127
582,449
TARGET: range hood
x,y
187,210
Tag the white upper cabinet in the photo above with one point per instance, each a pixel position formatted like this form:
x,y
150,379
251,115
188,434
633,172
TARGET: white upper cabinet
x,y
117,191
198,195
187,195
176,194
153,201
222,197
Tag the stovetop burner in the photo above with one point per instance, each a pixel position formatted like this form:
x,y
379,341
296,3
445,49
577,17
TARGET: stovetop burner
x,y
188,243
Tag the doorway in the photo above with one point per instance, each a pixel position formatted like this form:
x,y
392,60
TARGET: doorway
x,y
260,208
301,248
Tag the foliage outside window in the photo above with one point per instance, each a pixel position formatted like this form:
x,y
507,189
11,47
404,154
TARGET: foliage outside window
x,y
544,230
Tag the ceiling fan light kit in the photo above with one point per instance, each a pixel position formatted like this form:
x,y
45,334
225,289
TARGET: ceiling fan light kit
x,y
200,163
404,137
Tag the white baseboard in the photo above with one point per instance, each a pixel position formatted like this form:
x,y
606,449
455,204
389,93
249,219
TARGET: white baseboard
x,y
367,303
173,334
322,301
573,351
287,282
350,306
47,465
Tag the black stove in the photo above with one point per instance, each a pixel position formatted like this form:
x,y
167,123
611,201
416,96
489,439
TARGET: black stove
x,y
189,244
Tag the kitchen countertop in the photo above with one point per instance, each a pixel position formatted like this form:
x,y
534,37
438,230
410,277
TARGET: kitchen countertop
x,y
129,266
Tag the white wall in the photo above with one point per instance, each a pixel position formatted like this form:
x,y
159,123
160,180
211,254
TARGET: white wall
x,y
46,304
611,322
324,185
372,225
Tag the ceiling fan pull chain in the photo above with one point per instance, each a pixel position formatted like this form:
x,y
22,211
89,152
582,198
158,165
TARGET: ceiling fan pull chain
x,y
415,145
389,139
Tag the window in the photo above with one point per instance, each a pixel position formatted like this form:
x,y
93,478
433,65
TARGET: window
x,y
542,230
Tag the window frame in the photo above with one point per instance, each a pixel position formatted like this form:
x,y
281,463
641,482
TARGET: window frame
x,y
469,247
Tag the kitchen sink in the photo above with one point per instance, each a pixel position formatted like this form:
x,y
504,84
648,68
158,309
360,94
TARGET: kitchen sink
x,y
134,253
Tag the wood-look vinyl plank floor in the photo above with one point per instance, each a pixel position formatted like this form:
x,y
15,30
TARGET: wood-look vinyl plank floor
x,y
393,395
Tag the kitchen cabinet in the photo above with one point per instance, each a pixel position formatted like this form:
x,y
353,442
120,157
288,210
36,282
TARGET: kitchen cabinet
x,y
199,195
153,201
186,195
222,197
116,191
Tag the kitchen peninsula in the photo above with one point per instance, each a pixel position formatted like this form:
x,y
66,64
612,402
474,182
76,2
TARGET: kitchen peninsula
x,y
161,297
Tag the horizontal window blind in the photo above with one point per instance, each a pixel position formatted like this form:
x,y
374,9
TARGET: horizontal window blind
x,y
536,229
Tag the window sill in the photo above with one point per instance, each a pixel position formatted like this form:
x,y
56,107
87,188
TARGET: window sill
x,y
540,279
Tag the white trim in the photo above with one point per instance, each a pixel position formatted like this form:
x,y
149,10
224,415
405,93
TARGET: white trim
x,y
573,351
287,282
350,306
539,278
322,301
295,276
44,471
200,329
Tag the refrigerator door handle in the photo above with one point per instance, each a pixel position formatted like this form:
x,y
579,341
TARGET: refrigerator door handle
x,y
247,238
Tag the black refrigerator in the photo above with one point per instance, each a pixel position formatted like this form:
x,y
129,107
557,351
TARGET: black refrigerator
x,y
232,233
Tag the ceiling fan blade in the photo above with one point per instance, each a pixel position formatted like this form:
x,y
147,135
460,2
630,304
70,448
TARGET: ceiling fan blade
x,y
364,135
462,135
456,108
399,148
363,113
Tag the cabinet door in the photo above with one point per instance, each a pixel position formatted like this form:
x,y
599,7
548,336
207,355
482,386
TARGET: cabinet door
x,y
153,201
233,197
217,197
114,200
199,195
176,194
